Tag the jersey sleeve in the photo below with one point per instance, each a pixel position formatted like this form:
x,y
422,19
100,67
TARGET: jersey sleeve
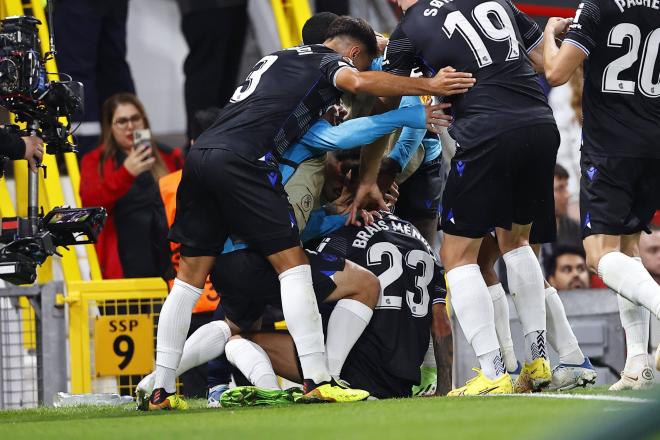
x,y
529,29
582,32
410,138
399,57
362,131
439,288
331,64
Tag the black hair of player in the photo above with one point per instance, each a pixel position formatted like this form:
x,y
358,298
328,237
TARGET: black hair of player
x,y
357,29
316,27
558,251
560,172
205,118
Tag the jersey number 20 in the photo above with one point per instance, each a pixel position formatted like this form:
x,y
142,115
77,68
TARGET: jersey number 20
x,y
396,261
481,14
611,81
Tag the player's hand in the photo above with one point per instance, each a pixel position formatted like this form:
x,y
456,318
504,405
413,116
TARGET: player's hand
x,y
450,82
139,160
392,196
558,27
436,118
367,196
382,43
34,151
389,168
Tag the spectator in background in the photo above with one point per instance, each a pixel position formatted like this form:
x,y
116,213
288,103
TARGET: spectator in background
x,y
566,269
566,104
123,180
215,33
649,251
91,47
569,230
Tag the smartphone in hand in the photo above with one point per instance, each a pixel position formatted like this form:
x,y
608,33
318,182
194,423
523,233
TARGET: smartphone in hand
x,y
141,137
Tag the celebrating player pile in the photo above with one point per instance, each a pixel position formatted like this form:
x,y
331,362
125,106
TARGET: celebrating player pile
x,y
480,58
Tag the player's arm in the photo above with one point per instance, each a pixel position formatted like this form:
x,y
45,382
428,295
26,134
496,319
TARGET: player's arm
x,y
579,40
443,347
361,131
560,62
446,82
532,37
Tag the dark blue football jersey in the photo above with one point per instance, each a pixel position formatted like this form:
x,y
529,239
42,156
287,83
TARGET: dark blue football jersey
x,y
283,95
411,280
491,40
621,100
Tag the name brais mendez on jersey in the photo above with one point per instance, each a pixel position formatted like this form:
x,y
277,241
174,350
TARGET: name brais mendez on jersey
x,y
389,223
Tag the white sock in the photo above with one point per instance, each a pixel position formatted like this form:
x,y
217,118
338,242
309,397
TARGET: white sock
x,y
207,343
253,362
526,286
492,364
635,321
560,333
173,326
429,357
502,327
304,321
347,322
630,279
474,310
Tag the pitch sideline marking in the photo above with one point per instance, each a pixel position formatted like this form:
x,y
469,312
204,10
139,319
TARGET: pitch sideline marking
x,y
578,397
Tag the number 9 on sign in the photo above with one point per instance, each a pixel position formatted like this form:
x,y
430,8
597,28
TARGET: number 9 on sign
x,y
123,345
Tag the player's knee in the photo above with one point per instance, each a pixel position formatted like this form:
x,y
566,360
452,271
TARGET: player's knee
x,y
371,289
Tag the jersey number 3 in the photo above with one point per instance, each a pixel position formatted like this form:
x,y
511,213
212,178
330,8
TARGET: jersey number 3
x,y
482,15
252,81
396,261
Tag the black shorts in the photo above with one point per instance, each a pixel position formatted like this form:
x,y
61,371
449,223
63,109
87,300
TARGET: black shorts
x,y
419,195
248,283
221,194
618,195
507,180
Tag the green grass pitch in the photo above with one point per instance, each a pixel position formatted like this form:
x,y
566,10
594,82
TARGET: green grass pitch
x,y
510,417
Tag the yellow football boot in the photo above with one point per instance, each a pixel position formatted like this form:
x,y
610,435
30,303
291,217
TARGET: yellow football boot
x,y
480,385
331,392
534,377
161,401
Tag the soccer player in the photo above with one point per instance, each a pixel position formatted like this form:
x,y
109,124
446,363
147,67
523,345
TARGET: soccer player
x,y
231,187
385,360
501,174
620,184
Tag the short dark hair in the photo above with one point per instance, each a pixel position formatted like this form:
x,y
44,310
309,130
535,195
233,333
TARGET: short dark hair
x,y
550,262
560,172
356,28
316,27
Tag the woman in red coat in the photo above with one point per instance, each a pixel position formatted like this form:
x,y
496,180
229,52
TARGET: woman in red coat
x,y
123,180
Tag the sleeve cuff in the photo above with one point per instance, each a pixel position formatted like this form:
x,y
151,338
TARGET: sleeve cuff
x,y
577,44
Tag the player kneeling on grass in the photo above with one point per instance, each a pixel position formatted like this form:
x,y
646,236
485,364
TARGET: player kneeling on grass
x,y
385,360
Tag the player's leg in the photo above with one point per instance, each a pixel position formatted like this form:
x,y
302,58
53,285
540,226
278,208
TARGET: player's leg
x,y
488,256
301,312
471,302
198,226
470,208
356,294
635,319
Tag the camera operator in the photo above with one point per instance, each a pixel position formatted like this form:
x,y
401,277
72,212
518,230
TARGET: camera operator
x,y
15,147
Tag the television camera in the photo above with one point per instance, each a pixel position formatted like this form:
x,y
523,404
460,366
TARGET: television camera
x,y
44,106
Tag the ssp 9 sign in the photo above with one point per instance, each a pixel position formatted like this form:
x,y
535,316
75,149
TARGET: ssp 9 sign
x,y
123,345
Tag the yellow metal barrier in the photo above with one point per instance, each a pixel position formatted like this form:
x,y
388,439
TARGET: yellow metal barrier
x,y
290,16
140,296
